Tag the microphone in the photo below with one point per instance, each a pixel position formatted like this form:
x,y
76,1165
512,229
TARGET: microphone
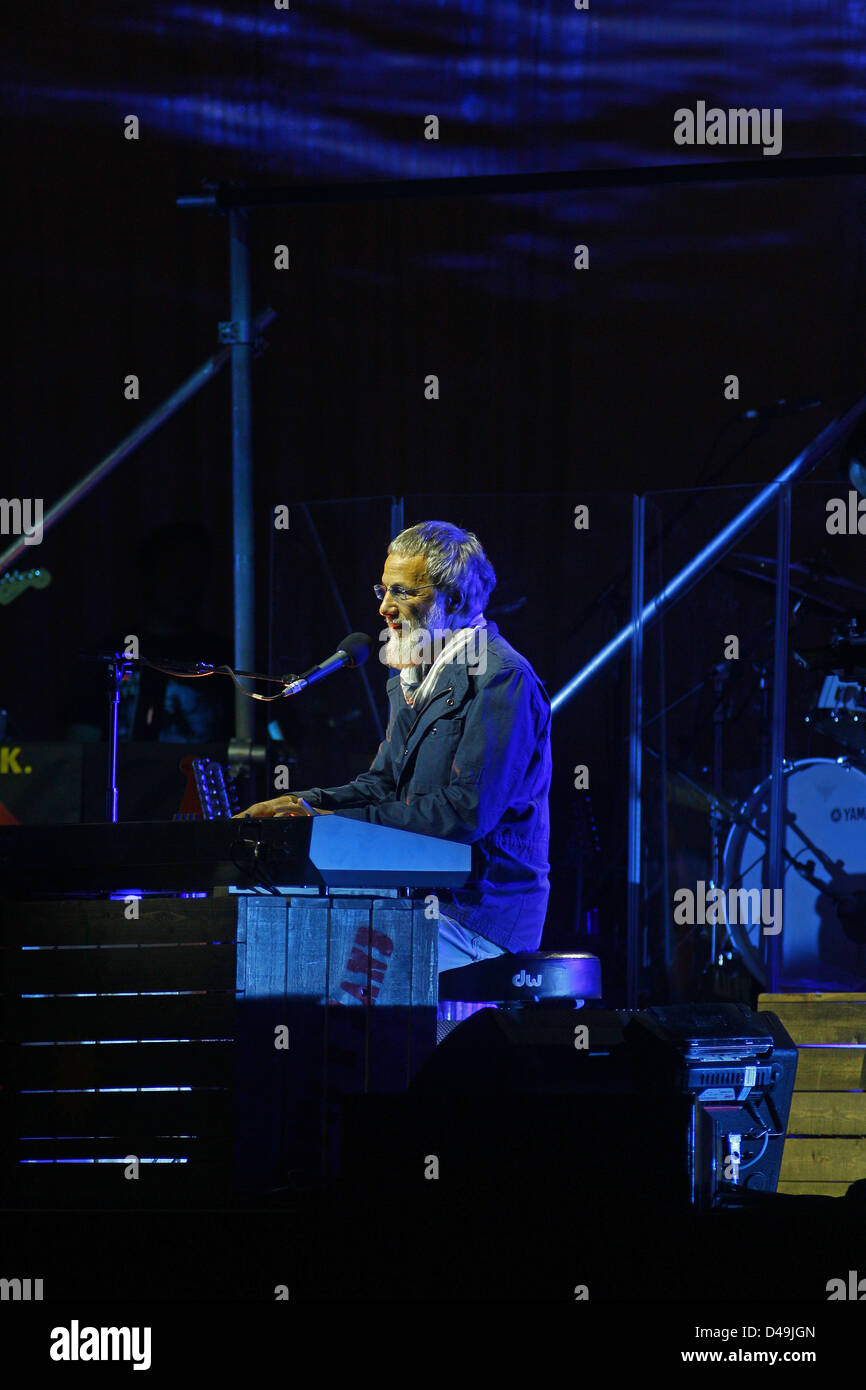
x,y
351,652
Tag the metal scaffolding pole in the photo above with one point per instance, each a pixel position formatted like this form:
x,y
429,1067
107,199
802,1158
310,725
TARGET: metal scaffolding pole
x,y
223,197
240,336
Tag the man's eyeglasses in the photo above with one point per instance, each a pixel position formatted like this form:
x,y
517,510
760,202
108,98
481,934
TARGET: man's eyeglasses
x,y
398,592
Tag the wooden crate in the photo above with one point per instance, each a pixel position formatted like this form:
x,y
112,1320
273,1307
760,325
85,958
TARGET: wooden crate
x,y
825,1144
336,996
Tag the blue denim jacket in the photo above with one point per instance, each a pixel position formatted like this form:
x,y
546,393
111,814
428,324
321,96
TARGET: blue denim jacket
x,y
473,766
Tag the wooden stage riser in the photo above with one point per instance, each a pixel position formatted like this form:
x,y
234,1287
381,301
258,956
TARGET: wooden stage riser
x,y
191,996
825,1144
814,1188
827,1159
830,1068
74,922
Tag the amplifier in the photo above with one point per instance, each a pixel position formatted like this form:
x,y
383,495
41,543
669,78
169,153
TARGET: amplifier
x,y
738,1068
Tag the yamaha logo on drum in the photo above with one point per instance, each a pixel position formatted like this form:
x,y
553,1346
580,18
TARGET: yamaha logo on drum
x,y
848,812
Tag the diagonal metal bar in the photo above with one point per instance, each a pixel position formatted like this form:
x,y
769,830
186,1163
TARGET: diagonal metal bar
x,y
805,462
157,417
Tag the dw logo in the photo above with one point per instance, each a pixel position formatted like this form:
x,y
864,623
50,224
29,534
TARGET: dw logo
x,y
521,979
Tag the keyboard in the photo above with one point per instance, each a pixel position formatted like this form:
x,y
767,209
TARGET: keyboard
x,y
196,856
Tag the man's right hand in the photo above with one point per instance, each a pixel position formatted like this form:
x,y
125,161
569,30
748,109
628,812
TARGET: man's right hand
x,y
279,806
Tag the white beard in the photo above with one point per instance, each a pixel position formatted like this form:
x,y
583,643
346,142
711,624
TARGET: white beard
x,y
407,646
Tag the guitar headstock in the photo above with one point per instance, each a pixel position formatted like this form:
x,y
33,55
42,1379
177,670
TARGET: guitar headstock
x,y
15,581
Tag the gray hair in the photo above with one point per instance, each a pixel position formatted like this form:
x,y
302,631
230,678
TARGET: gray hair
x,y
455,561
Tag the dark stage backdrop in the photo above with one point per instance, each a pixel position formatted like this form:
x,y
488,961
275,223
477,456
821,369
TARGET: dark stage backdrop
x,y
551,378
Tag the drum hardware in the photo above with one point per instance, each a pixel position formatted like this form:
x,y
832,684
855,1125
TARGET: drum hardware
x,y
749,573
839,893
845,655
824,919
840,713
851,912
763,567
823,940
723,957
840,710
726,810
720,971
823,907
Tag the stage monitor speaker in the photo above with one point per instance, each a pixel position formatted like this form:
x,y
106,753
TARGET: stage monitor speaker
x,y
738,1067
542,1094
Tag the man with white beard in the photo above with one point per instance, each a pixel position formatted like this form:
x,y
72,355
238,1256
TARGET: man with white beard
x,y
466,754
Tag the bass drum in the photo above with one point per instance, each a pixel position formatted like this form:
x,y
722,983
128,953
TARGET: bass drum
x,y
823,936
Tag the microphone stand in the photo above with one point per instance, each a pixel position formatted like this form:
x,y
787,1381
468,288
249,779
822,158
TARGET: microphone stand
x,y
241,752
119,668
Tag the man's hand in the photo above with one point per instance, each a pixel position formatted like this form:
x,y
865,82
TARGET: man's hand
x,y
281,806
